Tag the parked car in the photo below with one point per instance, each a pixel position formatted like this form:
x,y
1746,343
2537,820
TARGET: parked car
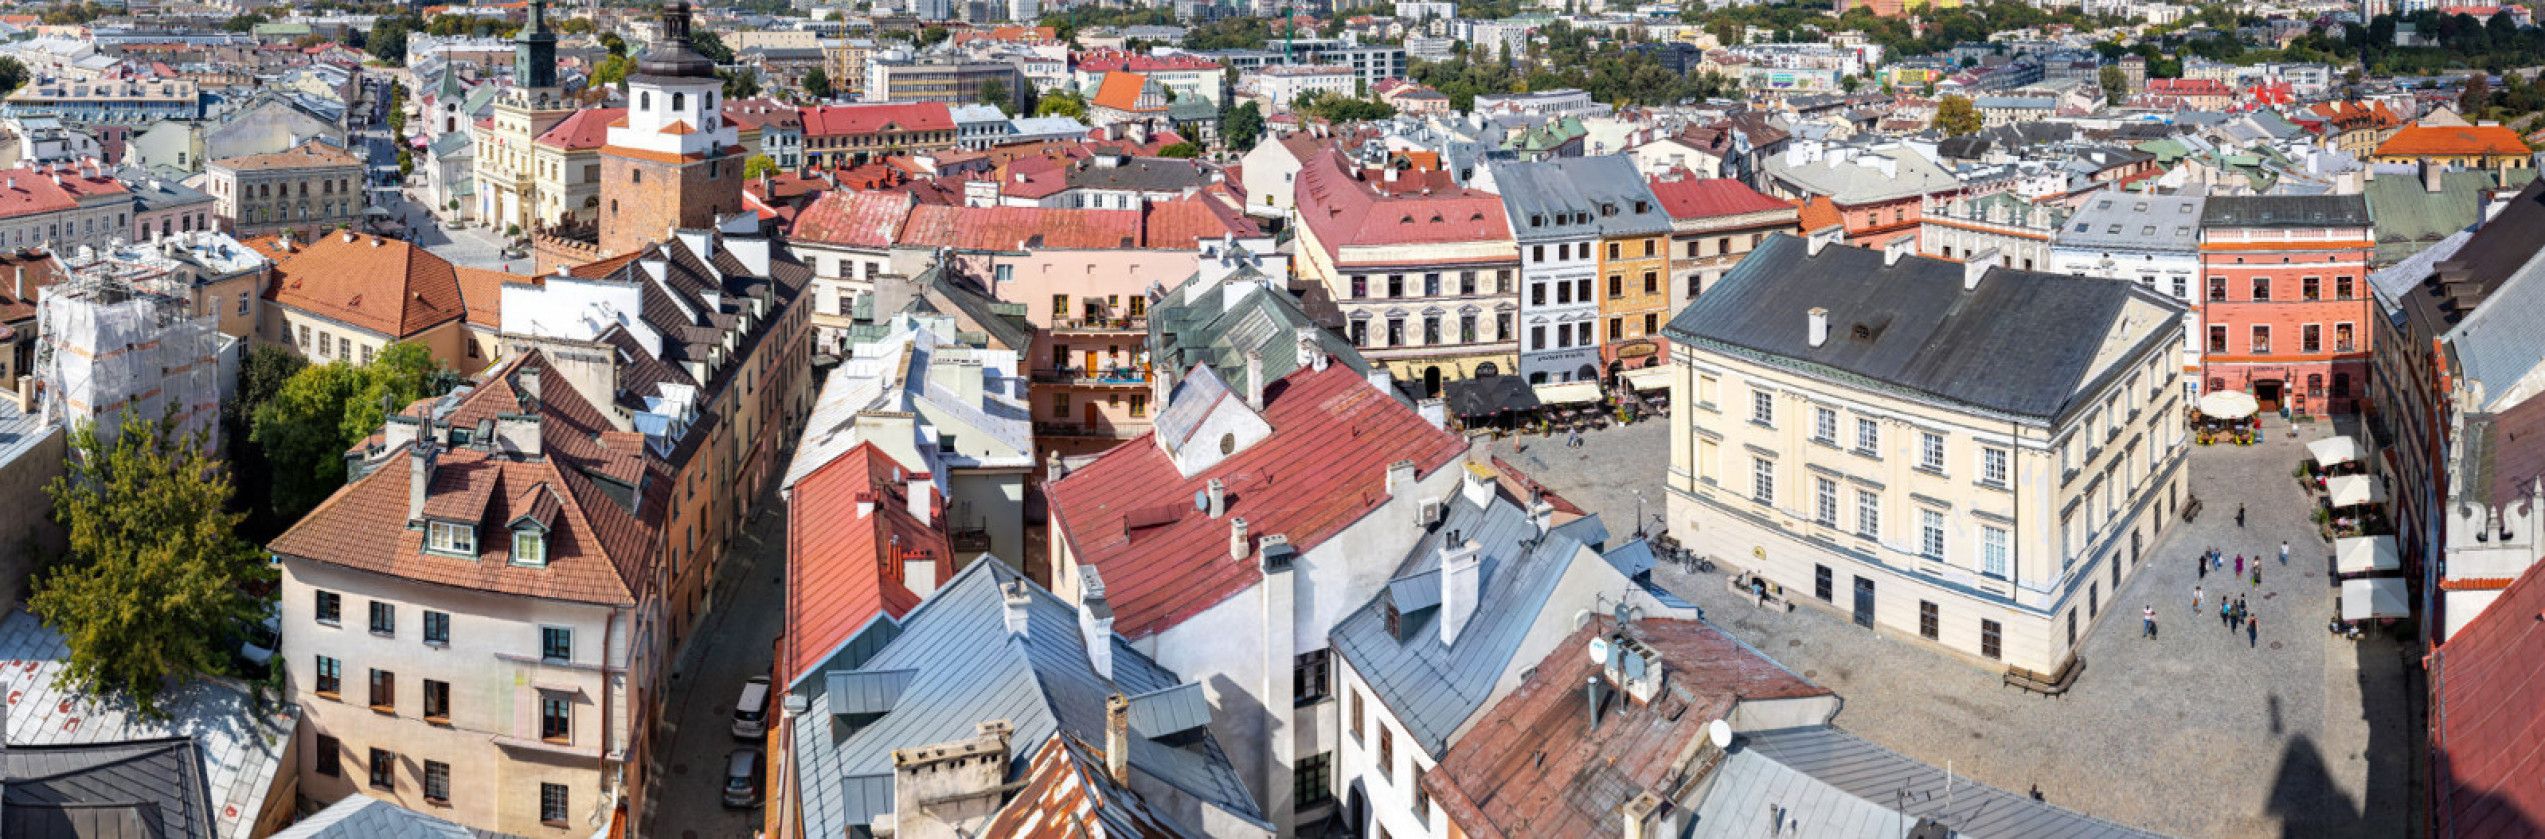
x,y
261,639
742,779
751,710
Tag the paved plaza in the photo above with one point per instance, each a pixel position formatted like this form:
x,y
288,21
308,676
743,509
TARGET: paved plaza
x,y
2195,734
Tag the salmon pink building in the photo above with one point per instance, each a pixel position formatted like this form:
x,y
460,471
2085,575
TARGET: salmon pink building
x,y
2286,302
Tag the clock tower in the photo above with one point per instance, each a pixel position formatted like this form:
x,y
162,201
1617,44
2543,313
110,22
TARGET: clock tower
x,y
672,162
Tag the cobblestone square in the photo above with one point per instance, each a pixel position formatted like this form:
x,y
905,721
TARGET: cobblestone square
x,y
2195,734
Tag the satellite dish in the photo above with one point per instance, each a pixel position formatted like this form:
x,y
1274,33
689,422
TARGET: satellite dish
x,y
1202,500
1625,613
1634,667
1719,733
1599,651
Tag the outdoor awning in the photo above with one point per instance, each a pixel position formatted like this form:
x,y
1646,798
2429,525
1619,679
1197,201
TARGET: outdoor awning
x,y
1489,395
2228,404
2354,490
1647,378
1568,392
2376,597
2363,554
2333,451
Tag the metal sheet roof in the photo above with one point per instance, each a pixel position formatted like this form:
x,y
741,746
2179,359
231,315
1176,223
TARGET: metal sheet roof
x,y
866,691
1169,712
1871,772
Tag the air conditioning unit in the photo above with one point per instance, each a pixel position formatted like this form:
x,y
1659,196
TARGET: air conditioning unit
x,y
1429,513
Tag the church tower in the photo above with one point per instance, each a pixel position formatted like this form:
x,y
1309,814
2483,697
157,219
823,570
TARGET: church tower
x,y
673,161
535,51
506,164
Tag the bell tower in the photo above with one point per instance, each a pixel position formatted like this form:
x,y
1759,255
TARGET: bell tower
x,y
673,162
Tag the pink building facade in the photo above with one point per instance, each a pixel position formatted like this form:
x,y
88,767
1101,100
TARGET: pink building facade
x,y
2286,302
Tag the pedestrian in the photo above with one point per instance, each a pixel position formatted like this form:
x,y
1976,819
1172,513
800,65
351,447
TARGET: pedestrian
x,y
2147,617
2217,560
2036,792
2226,614
2240,515
2253,632
2284,551
2195,598
2200,565
2257,573
2241,611
2240,565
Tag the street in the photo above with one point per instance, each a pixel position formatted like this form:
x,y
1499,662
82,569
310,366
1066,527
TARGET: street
x,y
732,645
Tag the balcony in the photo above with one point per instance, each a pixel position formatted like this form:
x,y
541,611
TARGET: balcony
x,y
1120,431
1113,376
1101,326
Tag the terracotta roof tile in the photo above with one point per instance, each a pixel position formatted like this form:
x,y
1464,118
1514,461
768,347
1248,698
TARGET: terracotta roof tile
x,y
384,285
853,217
1120,91
29,190
844,568
2420,140
41,270
1323,468
586,130
1695,198
1346,211
838,120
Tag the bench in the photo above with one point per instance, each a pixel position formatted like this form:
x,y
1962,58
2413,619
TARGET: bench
x,y
2191,508
2047,684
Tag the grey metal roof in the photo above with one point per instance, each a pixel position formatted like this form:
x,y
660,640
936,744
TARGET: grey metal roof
x,y
1871,772
1194,397
1578,197
139,788
359,816
866,691
969,669
2286,211
1202,321
2116,220
2503,339
1165,713
1431,688
2021,343
1749,790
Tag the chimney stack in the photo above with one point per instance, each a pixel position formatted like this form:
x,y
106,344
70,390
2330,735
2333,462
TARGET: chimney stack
x,y
1818,320
2433,175
1592,690
1897,248
1095,621
1977,267
1217,491
1014,600
1239,547
1053,468
420,460
1118,739
1822,238
1542,514
922,492
1255,379
1461,586
21,290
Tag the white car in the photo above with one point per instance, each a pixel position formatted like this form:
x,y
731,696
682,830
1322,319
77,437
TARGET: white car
x,y
751,711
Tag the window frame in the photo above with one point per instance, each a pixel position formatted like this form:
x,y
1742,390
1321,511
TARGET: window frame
x,y
384,619
549,637
382,771
1931,535
437,639
327,607
553,816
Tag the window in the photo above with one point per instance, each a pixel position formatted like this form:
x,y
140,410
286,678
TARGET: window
x,y
1763,480
1616,286
1612,250
1868,514
2310,288
1988,639
556,718
1537,294
1824,425
2261,339
1868,436
2262,289
1422,799
1467,329
1821,582
1992,551
437,628
1313,780
2342,288
453,539
1705,390
530,547
384,769
384,618
2217,338
1395,332
1387,754
556,643
242,304
1431,330
1928,620
1309,679
384,690
1652,283
331,608
2217,289
1825,502
1431,284
1762,407
1352,715
331,677
552,804
2343,338
1360,338
1931,534
1930,451
329,759
1466,283
1616,328
1395,285
437,701
437,782
1992,467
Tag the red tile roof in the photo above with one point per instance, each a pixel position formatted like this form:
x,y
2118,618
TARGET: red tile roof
x,y
28,190
749,114
844,568
597,551
1323,468
1534,767
1818,212
585,130
41,270
2189,87
1345,210
1121,91
384,285
2434,140
1695,198
842,120
2487,729
1107,61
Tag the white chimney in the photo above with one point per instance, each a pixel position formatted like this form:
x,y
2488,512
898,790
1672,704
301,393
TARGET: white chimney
x,y
1217,492
1255,379
1542,514
1095,621
1976,267
1014,601
420,460
1823,238
1400,478
1897,248
1819,325
922,497
918,572
865,504
1239,547
1118,739
1461,585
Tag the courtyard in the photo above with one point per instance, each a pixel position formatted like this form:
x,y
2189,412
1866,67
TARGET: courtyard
x,y
2198,733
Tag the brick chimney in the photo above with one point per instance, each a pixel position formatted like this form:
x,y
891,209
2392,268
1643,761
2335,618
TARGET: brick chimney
x,y
1118,739
421,457
1239,547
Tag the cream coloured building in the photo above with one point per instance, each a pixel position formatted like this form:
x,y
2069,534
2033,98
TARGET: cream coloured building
x,y
1962,452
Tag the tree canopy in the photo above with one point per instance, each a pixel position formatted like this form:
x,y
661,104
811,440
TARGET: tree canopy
x,y
324,409
759,164
1243,125
1185,150
155,582
1061,104
1955,117
817,84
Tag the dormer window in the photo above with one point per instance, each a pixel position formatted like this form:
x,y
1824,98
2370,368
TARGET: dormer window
x,y
443,537
530,547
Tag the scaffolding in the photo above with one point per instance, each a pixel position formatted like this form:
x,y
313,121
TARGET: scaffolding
x,y
119,333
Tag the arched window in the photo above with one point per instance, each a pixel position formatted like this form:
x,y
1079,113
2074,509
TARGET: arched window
x,y
645,101
679,100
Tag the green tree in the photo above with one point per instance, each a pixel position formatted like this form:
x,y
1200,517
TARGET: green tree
x,y
756,165
817,84
1955,117
740,82
13,75
388,38
326,408
2116,84
611,71
708,44
2476,96
1061,104
154,582
995,94
244,22
1242,126
1186,151
615,44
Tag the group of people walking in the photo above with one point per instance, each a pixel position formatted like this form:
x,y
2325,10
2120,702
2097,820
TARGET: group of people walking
x,y
2233,613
